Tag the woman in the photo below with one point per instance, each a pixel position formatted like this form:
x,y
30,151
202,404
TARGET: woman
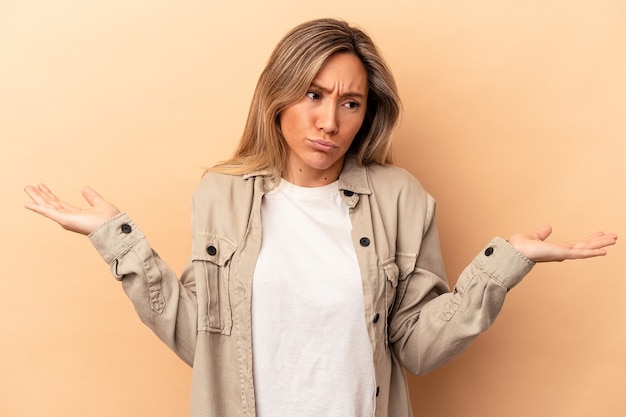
x,y
315,275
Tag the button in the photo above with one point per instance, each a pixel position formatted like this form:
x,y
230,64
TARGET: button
x,y
211,250
376,317
126,229
488,251
364,241
348,193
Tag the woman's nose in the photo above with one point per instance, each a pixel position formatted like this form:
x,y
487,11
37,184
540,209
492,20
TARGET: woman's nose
x,y
327,118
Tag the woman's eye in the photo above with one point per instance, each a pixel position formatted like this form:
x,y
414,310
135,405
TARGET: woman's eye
x,y
352,104
313,95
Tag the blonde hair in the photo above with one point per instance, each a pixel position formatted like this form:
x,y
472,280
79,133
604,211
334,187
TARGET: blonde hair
x,y
293,65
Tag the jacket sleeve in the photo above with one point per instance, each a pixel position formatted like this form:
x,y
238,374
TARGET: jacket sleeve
x,y
429,325
163,302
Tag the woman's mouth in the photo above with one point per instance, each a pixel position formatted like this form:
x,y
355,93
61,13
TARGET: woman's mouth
x,y
322,145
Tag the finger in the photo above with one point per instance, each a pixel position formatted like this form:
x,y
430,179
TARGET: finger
x,y
43,198
38,196
604,240
51,200
92,197
543,232
585,253
45,191
34,207
595,247
591,237
32,191
594,235
44,210
598,240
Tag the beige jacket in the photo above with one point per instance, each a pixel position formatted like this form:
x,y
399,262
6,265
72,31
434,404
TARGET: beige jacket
x,y
413,321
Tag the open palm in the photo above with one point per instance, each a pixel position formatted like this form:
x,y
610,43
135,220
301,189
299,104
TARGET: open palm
x,y
75,219
535,247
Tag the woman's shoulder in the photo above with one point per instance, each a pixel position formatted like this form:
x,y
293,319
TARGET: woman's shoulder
x,y
396,188
223,185
211,176
393,177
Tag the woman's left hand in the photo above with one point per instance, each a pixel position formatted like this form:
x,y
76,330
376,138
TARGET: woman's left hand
x,y
535,247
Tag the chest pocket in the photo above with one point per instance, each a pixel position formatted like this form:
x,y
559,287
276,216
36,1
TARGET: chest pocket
x,y
397,270
211,256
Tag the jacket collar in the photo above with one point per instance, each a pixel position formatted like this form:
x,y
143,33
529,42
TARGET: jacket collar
x,y
259,173
353,176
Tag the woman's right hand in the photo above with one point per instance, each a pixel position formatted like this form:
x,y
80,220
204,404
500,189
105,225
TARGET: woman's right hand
x,y
75,219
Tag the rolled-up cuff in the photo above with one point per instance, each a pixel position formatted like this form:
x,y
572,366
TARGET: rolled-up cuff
x,y
115,237
503,263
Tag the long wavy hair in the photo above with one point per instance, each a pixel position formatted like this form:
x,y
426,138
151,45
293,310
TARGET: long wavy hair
x,y
293,65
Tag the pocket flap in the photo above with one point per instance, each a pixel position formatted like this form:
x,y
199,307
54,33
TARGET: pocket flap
x,y
391,272
406,264
212,248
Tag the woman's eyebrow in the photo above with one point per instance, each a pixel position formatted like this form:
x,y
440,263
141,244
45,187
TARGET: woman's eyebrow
x,y
325,90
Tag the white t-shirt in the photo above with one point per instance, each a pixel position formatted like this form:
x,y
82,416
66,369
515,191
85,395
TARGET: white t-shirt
x,y
311,352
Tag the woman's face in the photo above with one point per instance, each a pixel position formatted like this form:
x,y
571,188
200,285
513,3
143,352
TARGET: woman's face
x,y
320,127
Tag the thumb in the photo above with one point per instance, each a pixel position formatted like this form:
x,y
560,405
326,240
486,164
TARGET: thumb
x,y
92,197
543,232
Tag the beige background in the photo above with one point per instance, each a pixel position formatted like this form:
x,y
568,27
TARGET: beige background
x,y
515,116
